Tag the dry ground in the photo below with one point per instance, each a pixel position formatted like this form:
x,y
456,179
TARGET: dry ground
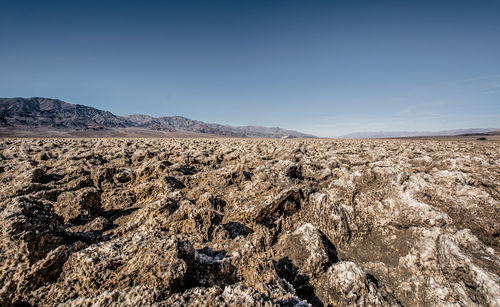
x,y
249,222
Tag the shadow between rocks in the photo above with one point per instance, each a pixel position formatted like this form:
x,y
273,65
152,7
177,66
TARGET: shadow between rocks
x,y
236,229
114,214
205,268
289,272
92,231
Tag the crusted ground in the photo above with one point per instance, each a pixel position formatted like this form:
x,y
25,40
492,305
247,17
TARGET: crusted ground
x,y
252,222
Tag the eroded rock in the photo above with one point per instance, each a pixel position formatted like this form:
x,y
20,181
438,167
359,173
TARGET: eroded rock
x,y
346,284
82,204
161,222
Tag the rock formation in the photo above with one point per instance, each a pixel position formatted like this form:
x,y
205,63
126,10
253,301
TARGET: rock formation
x,y
227,222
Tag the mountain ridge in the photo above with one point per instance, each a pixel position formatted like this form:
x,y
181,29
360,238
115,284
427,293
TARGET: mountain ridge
x,y
47,113
397,134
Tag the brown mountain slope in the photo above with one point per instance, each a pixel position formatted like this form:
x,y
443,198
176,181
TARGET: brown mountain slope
x,y
51,117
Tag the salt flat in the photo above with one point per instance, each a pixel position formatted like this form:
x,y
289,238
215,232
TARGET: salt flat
x,y
264,222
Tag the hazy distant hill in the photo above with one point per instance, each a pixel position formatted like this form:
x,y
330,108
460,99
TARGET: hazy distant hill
x,y
19,114
392,134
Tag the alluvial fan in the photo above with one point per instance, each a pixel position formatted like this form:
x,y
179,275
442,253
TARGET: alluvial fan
x,y
252,222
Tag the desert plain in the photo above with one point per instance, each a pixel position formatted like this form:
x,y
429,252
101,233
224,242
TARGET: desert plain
x,y
249,222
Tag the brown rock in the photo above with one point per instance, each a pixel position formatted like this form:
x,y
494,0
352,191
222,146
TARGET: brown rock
x,y
162,222
81,204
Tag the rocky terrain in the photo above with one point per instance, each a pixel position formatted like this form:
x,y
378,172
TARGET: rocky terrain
x,y
44,117
249,222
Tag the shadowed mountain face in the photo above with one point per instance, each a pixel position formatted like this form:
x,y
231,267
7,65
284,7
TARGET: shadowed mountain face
x,y
43,112
28,113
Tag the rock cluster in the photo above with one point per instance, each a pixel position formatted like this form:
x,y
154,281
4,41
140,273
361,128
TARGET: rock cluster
x,y
250,222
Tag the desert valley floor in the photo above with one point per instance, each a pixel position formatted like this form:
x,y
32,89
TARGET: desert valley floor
x,y
249,222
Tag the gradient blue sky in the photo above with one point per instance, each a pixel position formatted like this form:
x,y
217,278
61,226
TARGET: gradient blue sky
x,y
323,67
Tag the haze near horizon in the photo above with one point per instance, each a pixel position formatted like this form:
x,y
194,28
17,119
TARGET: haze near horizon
x,y
325,68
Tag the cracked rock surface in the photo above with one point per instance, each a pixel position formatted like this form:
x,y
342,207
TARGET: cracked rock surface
x,y
249,222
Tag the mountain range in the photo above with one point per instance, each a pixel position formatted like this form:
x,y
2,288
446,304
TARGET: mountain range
x,y
52,117
399,134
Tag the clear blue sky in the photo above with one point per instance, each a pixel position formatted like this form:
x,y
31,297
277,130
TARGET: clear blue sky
x,y
324,67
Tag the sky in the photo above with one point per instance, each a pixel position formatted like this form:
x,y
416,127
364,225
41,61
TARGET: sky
x,y
324,67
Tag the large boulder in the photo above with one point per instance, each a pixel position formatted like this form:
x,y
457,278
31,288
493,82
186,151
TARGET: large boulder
x,y
308,250
346,284
30,249
82,204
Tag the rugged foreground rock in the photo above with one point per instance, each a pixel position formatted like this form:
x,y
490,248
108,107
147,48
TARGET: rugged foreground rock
x,y
175,222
